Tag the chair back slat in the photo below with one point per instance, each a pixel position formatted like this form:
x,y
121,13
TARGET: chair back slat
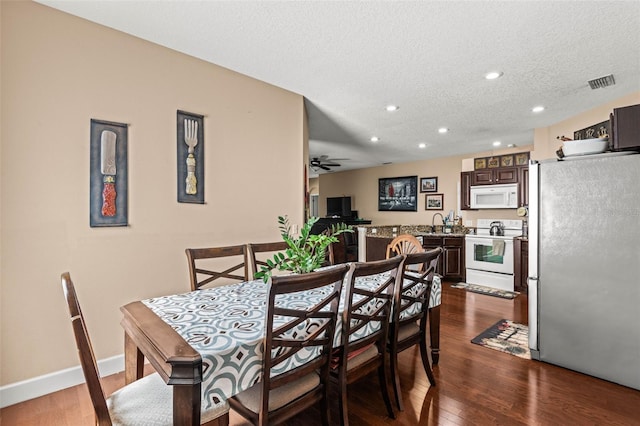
x,y
202,262
308,324
404,244
85,352
412,296
369,307
258,253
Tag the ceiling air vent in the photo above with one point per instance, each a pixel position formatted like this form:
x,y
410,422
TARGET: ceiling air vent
x,y
605,81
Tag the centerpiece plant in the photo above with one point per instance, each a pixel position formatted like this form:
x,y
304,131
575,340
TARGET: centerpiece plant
x,y
304,253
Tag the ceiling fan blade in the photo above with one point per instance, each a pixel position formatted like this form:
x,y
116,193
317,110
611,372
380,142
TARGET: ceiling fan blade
x,y
323,167
331,164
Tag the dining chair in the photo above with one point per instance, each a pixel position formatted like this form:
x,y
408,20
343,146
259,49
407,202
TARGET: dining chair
x,y
369,288
295,332
145,401
257,253
410,310
202,262
403,244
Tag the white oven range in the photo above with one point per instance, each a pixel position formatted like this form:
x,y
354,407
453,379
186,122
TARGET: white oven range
x,y
489,258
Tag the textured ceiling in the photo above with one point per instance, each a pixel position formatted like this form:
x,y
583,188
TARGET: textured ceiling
x,y
351,59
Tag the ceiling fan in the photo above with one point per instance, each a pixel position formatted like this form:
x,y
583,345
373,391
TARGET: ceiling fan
x,y
324,162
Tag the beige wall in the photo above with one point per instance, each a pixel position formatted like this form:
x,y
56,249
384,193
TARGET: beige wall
x,y
314,186
58,72
545,139
362,185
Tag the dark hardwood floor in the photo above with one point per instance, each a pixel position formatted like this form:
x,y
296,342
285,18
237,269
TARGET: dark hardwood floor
x,y
475,385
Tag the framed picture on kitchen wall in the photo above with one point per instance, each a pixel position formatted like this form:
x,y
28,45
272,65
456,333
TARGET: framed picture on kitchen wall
x,y
190,143
398,194
434,202
429,184
108,188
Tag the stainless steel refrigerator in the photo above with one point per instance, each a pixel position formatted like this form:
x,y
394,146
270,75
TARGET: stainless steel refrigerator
x,y
584,265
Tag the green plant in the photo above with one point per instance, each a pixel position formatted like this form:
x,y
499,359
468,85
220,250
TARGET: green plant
x,y
305,253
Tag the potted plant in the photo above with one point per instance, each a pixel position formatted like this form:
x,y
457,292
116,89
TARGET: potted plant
x,y
305,253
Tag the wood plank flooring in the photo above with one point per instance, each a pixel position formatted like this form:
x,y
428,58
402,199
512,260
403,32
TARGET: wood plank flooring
x,y
475,385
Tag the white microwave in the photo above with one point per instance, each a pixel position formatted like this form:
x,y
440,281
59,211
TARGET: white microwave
x,y
494,196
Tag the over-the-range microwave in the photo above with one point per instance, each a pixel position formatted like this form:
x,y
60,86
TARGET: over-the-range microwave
x,y
494,196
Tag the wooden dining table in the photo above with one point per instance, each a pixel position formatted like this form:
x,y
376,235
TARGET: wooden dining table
x,y
207,343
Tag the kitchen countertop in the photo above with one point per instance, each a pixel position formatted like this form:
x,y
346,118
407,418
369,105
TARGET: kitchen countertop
x,y
391,231
421,234
440,234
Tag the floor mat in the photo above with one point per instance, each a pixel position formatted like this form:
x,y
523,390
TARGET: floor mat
x,y
489,291
506,336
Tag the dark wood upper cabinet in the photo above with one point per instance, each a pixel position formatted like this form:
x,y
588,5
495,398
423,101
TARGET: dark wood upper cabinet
x,y
495,176
625,128
465,190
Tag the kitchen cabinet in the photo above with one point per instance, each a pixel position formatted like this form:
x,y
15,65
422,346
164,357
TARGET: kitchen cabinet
x,y
451,263
625,128
519,175
520,264
377,248
465,190
495,176
523,186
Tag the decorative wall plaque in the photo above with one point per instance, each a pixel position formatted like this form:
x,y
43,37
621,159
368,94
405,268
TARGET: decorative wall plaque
x,y
108,174
190,154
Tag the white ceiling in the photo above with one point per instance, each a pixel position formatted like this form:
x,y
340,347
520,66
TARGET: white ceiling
x,y
350,59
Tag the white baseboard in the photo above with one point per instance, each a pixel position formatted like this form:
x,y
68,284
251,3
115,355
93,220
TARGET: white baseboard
x,y
53,382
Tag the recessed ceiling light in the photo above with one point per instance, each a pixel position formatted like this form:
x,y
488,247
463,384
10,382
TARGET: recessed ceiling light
x,y
511,145
493,75
422,145
538,108
497,143
443,130
375,139
392,108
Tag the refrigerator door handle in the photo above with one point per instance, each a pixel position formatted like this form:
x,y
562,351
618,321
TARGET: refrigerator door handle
x,y
532,283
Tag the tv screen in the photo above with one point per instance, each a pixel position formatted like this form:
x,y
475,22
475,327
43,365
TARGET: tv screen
x,y
339,206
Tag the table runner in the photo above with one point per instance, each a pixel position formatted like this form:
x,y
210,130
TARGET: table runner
x,y
226,326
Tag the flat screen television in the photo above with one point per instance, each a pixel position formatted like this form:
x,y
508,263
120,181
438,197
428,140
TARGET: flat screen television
x,y
339,206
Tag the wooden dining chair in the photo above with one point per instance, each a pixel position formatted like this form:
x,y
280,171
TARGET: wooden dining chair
x,y
258,253
145,401
202,262
410,310
369,294
303,329
404,244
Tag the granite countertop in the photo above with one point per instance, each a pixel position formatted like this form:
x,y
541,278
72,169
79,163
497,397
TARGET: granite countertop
x,y
391,231
421,234
439,234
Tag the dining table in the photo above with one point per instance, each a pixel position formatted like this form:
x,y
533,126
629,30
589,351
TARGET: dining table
x,y
208,343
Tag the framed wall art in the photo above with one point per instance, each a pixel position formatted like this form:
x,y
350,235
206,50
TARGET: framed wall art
x,y
190,150
108,187
480,163
506,161
398,194
429,184
522,159
434,202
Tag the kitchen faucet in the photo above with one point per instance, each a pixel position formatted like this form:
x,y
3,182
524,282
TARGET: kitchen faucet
x,y
433,220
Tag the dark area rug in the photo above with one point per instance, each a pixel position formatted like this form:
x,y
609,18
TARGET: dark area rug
x,y
506,336
489,291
